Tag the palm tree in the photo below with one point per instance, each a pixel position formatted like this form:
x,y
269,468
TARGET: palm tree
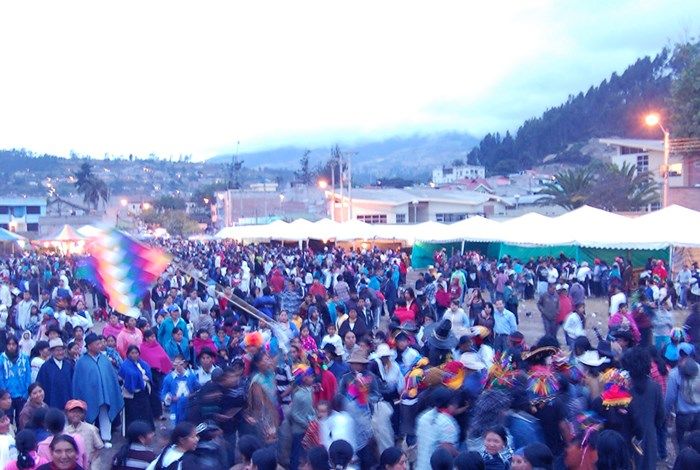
x,y
570,189
90,186
624,189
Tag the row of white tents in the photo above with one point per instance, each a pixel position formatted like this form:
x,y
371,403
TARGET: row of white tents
x,y
585,226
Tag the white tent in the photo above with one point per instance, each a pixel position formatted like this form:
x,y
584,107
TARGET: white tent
x,y
533,229
325,229
673,225
591,227
475,229
355,230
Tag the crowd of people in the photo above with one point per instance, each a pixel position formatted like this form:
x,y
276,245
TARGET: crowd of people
x,y
338,358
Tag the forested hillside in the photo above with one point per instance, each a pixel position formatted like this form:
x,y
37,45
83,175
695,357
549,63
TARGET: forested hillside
x,y
613,108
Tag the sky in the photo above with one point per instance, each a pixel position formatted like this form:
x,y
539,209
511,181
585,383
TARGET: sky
x,y
184,77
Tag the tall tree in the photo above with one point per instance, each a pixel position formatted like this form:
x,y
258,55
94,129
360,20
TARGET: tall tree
x,y
90,186
685,97
624,189
570,189
304,175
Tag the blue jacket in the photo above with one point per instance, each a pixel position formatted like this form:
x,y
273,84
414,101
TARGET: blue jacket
x,y
172,351
15,377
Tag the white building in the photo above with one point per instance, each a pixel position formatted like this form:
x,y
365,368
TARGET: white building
x,y
20,214
413,205
648,155
450,174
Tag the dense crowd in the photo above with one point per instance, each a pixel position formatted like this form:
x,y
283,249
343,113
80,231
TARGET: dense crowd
x,y
344,363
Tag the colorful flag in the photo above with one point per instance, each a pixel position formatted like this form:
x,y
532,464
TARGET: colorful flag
x,y
123,268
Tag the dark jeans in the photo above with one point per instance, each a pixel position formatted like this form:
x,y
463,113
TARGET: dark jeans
x,y
550,326
408,423
685,423
661,435
500,342
297,451
17,405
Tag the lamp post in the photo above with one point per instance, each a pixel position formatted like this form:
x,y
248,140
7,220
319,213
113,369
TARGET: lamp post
x,y
654,120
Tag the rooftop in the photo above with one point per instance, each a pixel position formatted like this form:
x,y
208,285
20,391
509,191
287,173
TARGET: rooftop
x,y
644,144
396,197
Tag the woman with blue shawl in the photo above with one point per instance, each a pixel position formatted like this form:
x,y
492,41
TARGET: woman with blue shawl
x,y
137,378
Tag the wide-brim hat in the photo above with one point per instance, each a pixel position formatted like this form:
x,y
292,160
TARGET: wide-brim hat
x,y
538,353
472,361
442,337
56,343
357,357
383,350
592,359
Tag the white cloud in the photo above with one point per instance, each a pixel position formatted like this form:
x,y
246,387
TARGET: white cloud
x,y
195,77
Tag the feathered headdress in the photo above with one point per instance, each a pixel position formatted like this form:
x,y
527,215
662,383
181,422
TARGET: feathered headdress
x,y
542,383
615,388
502,373
414,381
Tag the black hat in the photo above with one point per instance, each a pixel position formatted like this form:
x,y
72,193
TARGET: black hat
x,y
91,338
442,337
329,348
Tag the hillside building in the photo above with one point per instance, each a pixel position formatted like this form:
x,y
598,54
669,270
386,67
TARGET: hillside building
x,y
413,205
648,155
21,215
450,174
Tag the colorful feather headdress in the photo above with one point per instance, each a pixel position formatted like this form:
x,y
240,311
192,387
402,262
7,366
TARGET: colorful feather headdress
x,y
415,379
502,374
542,383
615,388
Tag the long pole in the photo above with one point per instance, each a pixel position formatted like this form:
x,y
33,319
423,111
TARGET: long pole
x,y
350,187
341,172
333,190
667,151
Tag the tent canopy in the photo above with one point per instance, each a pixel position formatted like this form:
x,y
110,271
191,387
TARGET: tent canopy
x,y
7,236
66,234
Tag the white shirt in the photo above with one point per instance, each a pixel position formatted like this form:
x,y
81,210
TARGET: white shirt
x,y
573,326
433,429
616,300
172,454
339,425
552,275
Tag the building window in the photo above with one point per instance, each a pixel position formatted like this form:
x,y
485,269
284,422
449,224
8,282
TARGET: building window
x,y
676,169
450,217
629,150
642,163
32,227
33,210
400,218
655,206
4,209
373,219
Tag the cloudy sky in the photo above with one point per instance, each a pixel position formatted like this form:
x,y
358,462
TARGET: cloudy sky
x,y
194,78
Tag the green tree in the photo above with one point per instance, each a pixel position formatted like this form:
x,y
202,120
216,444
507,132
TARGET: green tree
x,y
169,203
90,186
570,189
304,174
623,189
685,99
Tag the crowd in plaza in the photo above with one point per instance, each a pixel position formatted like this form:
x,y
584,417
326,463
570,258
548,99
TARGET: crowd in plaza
x,y
341,358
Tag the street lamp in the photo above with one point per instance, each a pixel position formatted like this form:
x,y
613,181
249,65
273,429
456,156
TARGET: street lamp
x,y
322,184
652,120
123,202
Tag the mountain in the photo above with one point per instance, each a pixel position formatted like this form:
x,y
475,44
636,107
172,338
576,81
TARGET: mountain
x,y
373,159
614,108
